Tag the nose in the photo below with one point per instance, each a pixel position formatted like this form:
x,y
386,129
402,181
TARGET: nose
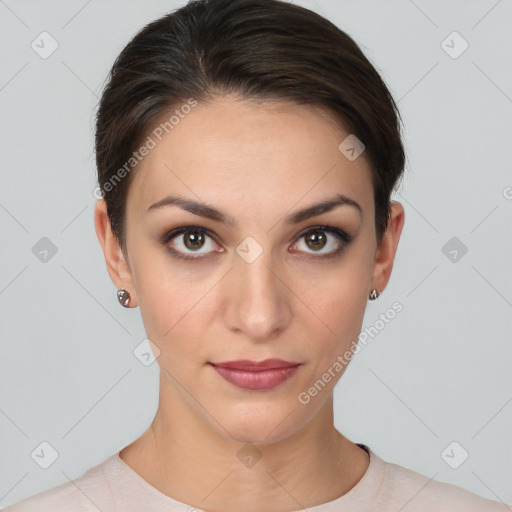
x,y
258,298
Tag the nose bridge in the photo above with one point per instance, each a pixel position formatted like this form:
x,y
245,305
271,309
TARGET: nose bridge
x,y
258,302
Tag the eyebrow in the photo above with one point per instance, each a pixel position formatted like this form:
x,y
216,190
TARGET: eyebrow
x,y
205,210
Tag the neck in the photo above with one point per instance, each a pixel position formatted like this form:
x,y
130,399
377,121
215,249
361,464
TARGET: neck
x,y
208,469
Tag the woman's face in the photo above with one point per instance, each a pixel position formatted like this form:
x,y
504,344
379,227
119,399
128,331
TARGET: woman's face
x,y
271,284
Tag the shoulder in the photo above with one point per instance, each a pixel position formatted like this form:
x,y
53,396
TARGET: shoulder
x,y
88,493
57,499
421,494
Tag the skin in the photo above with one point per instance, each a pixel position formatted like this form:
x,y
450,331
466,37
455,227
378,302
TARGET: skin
x,y
257,162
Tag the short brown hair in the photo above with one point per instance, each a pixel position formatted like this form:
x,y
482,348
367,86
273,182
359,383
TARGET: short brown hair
x,y
256,49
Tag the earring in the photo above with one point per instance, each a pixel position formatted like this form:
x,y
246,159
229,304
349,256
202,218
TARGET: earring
x,y
374,294
123,297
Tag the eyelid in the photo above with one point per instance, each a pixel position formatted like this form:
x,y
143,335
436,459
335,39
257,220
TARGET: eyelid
x,y
330,229
173,233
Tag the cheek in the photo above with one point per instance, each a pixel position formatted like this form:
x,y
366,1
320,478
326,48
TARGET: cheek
x,y
342,317
169,311
338,305
344,303
174,308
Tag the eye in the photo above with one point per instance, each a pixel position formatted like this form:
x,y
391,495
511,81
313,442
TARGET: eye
x,y
188,241
323,240
193,242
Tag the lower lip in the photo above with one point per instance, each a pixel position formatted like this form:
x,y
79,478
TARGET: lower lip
x,y
265,379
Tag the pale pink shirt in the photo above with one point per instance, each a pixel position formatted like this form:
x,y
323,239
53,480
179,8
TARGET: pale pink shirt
x,y
113,486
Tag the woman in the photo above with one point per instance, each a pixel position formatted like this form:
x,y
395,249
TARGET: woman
x,y
246,154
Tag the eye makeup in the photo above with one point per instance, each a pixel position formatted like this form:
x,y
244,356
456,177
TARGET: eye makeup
x,y
340,235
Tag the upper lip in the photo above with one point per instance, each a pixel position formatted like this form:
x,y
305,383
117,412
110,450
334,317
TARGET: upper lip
x,y
267,364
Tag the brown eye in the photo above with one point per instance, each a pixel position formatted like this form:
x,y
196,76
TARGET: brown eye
x,y
322,240
316,240
190,242
193,240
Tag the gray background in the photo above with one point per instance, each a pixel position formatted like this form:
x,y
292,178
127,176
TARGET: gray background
x,y
439,372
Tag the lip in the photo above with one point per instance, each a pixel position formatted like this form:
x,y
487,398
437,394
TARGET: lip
x,y
254,375
254,366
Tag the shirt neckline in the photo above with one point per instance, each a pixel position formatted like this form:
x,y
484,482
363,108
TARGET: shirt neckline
x,y
360,494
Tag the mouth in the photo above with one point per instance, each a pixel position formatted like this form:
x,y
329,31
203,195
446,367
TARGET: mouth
x,y
253,375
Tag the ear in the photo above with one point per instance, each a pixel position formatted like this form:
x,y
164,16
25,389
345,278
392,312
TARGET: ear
x,y
385,254
117,265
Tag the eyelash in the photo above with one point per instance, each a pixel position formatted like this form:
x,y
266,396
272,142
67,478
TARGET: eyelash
x,y
342,236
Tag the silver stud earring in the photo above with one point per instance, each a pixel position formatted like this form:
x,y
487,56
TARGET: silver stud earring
x,y
374,294
123,297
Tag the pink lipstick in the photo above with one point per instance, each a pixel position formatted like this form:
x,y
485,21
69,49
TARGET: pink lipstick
x,y
255,375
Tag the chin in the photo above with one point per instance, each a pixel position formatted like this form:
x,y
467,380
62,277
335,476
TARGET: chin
x,y
256,436
259,426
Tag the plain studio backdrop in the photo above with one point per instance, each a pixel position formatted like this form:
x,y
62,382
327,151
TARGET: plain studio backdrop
x,y
431,388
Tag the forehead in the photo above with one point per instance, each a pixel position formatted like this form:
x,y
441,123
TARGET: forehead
x,y
254,154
